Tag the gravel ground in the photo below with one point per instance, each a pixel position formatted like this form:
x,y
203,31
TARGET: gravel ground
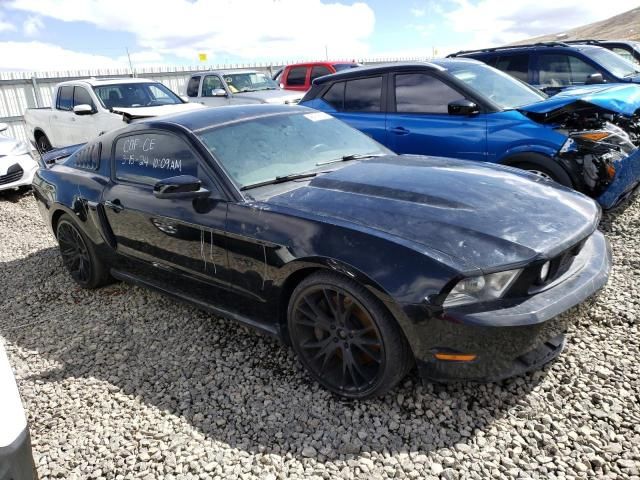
x,y
124,383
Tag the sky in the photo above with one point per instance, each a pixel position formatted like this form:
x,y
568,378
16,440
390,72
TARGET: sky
x,y
59,35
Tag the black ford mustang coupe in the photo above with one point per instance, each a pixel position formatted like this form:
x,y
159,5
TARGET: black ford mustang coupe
x,y
288,220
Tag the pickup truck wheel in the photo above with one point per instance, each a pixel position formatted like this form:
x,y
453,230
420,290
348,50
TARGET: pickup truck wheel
x,y
79,255
42,143
345,338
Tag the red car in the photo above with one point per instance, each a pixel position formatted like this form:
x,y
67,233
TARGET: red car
x,y
299,76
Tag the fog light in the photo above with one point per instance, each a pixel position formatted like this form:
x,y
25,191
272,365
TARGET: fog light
x,y
456,357
544,272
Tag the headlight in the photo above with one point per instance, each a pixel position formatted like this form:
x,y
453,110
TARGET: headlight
x,y
481,288
20,148
611,137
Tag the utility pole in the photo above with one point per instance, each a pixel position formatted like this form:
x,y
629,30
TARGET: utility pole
x,y
326,53
133,74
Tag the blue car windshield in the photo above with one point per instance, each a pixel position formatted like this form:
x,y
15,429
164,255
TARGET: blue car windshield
x,y
612,62
264,148
497,86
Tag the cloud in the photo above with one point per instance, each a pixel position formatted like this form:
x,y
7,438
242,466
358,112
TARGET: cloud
x,y
39,56
32,26
255,29
6,26
418,12
495,22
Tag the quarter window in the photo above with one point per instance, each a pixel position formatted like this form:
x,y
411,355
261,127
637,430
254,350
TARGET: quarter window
x,y
297,76
152,157
335,96
65,98
422,93
363,95
515,65
210,84
192,87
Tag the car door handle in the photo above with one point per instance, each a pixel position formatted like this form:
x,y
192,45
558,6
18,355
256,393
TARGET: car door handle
x,y
400,131
115,205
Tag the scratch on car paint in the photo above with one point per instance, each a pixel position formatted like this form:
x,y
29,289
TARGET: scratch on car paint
x,y
264,273
215,270
204,259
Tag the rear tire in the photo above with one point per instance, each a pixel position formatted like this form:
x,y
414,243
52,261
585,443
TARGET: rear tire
x,y
345,338
79,255
42,143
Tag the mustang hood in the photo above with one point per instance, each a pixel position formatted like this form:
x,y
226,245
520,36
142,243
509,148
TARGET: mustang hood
x,y
622,99
146,112
484,216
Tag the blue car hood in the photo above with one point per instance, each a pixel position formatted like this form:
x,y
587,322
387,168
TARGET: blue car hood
x,y
623,99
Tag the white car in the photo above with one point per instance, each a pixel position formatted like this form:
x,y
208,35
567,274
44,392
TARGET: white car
x,y
17,167
85,109
16,458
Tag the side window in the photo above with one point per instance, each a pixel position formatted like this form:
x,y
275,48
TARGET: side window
x,y
515,65
192,86
211,83
363,95
297,76
147,158
554,70
580,70
423,93
626,54
82,97
65,98
335,96
319,71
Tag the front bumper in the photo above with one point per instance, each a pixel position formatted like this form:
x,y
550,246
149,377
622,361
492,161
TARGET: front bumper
x,y
627,178
16,171
513,337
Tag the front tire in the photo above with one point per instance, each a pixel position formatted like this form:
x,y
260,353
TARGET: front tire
x,y
79,255
345,338
543,167
43,144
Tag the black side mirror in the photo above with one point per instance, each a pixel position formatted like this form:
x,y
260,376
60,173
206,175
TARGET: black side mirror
x,y
463,107
594,79
182,186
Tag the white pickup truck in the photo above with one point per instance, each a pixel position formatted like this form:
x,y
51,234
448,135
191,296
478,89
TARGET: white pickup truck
x,y
84,109
217,88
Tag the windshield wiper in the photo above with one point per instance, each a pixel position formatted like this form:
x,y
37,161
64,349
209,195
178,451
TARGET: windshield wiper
x,y
353,156
280,179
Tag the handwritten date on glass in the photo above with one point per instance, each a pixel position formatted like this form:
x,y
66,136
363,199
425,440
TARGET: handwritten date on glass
x,y
162,163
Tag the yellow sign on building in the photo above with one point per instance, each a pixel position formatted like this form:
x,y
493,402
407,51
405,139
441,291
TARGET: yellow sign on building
x,y
202,57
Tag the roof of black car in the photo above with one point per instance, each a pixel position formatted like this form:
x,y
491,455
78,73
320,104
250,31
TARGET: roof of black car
x,y
439,64
217,116
516,48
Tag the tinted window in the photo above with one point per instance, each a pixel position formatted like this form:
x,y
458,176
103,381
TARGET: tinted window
x,y
192,87
335,96
623,53
211,83
515,65
132,95
363,95
558,70
297,76
65,98
81,97
319,71
151,157
422,93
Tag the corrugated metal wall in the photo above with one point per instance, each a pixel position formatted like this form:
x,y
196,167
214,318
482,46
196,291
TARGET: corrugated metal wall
x,y
22,90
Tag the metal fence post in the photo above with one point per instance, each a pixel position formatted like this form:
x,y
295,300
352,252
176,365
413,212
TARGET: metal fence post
x,y
36,92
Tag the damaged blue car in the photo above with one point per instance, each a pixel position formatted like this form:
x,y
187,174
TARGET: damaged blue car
x,y
586,138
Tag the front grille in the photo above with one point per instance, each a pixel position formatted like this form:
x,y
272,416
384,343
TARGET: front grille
x,y
14,173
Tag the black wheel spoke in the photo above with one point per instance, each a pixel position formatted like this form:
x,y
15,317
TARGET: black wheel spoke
x,y
74,252
337,339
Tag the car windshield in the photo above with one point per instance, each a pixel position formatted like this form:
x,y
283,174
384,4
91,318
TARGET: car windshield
x,y
612,62
501,88
134,95
249,82
278,145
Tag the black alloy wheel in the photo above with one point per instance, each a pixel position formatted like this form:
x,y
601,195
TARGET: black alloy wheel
x,y
343,336
74,251
79,255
